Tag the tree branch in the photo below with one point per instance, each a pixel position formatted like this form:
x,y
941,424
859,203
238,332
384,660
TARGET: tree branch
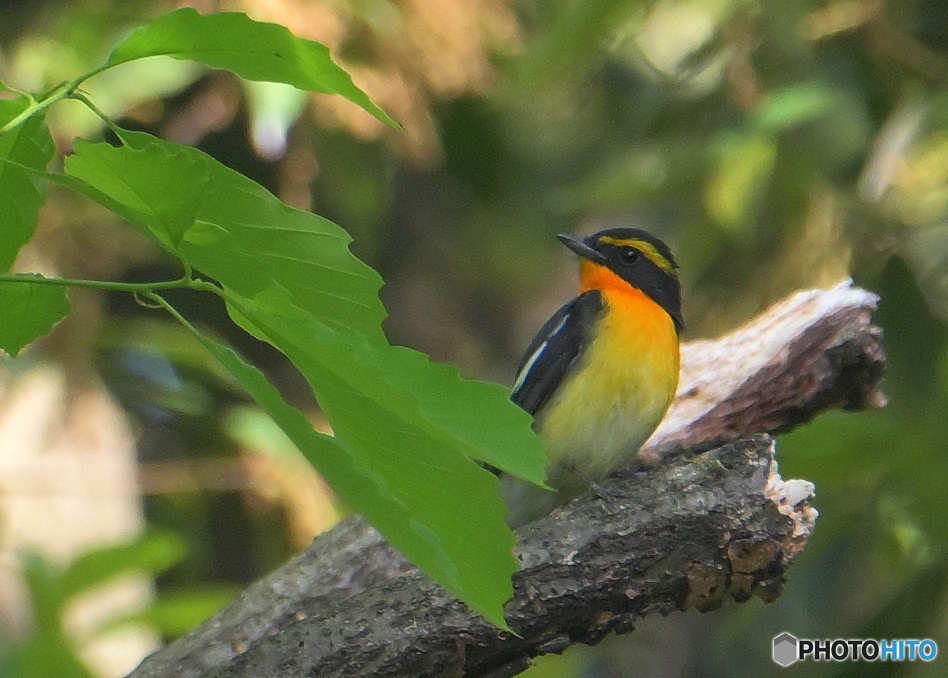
x,y
711,522
815,350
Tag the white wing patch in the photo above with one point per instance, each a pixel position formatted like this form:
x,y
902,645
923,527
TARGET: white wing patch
x,y
522,376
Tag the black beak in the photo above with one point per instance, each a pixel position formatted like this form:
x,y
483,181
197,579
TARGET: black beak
x,y
580,247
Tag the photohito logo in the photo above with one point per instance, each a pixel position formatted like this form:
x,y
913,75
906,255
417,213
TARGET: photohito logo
x,y
788,649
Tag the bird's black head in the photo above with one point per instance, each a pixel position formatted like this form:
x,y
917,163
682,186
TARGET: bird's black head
x,y
639,258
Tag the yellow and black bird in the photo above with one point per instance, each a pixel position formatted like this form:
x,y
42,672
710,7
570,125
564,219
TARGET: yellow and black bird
x,y
601,373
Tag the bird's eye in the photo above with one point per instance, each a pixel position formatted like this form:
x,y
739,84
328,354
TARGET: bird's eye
x,y
629,255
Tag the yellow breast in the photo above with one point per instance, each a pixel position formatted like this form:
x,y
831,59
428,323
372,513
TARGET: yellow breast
x,y
615,396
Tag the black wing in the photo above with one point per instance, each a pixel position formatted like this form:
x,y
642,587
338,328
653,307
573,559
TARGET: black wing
x,y
554,349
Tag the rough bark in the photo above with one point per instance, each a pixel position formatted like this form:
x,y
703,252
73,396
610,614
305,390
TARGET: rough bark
x,y
712,521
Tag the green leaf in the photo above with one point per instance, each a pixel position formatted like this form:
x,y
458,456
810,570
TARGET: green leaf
x,y
231,228
407,381
409,500
405,429
150,554
457,406
333,462
30,145
397,435
252,243
252,49
30,310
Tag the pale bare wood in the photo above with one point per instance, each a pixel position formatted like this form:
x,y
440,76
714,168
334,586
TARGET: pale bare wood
x,y
815,350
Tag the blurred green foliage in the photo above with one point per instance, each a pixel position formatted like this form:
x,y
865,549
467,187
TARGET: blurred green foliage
x,y
53,590
776,144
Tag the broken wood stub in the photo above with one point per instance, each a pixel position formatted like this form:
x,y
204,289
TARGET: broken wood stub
x,y
813,351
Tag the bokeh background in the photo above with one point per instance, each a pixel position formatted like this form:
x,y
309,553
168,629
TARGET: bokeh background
x,y
775,144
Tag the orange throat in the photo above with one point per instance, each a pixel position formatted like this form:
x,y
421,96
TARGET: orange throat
x,y
593,276
629,302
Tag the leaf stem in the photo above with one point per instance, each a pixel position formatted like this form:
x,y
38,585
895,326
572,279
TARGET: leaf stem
x,y
185,281
160,302
32,109
57,93
80,96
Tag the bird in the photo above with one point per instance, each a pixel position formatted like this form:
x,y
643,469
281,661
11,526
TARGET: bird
x,y
601,373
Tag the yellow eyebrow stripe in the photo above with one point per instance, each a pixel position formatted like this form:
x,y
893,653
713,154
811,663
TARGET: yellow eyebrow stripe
x,y
646,248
